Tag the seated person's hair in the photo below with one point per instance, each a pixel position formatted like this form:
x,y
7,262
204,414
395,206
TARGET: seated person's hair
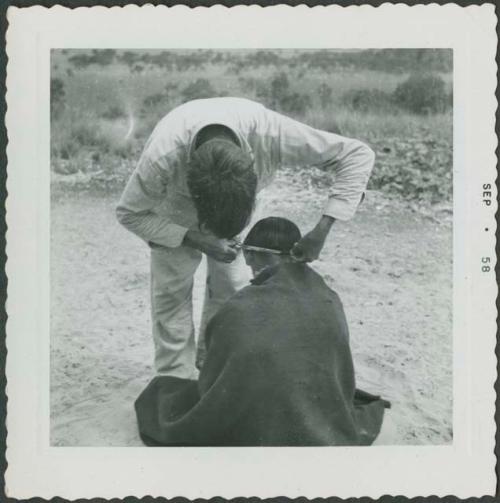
x,y
223,183
274,232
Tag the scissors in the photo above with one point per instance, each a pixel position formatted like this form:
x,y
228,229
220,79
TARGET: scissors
x,y
244,247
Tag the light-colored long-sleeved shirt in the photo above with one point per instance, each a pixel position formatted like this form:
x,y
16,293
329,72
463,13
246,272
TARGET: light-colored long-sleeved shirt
x,y
156,204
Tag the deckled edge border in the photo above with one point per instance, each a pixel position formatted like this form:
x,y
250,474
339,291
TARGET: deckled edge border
x,y
3,256
4,5
497,250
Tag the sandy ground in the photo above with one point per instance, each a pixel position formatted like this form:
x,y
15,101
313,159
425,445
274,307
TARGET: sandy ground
x,y
392,268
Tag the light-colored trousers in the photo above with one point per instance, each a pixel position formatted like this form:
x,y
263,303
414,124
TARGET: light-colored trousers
x,y
172,279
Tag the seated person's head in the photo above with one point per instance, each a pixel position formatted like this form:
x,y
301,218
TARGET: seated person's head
x,y
274,233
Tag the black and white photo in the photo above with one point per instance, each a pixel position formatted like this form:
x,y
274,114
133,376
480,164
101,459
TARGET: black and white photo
x,y
260,244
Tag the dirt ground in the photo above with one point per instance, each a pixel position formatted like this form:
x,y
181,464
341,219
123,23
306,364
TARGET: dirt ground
x,y
391,266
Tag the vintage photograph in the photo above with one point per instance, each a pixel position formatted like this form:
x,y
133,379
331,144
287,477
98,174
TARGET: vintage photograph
x,y
251,247
261,240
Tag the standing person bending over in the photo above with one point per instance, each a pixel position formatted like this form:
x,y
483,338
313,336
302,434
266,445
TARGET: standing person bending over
x,y
195,189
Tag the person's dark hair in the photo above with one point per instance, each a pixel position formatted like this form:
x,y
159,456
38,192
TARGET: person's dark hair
x,y
274,232
223,183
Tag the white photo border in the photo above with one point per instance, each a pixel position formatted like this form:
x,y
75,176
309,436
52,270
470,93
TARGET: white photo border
x,y
466,468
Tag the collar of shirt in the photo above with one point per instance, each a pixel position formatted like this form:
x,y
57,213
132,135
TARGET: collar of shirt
x,y
242,140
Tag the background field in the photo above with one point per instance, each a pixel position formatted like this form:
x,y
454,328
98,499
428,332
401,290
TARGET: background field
x,y
391,265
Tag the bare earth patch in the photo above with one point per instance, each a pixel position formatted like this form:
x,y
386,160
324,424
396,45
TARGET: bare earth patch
x,y
391,266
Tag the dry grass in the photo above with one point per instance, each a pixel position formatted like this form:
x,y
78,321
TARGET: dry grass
x,y
370,125
100,104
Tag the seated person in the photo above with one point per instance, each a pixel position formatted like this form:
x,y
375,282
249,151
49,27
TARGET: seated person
x,y
279,370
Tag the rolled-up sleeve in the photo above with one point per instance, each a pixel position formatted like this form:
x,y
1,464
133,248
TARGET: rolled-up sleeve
x,y
349,161
146,189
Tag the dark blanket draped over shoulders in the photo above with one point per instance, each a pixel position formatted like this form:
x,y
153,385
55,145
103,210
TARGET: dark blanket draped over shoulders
x,y
278,372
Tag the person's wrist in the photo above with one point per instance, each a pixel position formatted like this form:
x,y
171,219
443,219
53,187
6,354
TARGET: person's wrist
x,y
192,239
324,225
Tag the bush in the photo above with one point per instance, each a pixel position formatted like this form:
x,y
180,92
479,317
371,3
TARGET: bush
x,y
87,135
382,60
295,103
57,92
129,58
248,84
279,96
57,96
154,100
200,88
137,68
263,58
80,60
67,150
113,112
419,169
273,94
422,94
103,57
280,87
79,142
325,93
367,99
170,87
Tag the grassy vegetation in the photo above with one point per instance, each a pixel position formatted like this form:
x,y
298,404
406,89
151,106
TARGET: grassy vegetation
x,y
105,104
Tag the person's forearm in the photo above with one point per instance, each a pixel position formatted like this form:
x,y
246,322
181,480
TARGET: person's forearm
x,y
351,177
349,161
151,227
324,225
144,191
309,246
192,239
